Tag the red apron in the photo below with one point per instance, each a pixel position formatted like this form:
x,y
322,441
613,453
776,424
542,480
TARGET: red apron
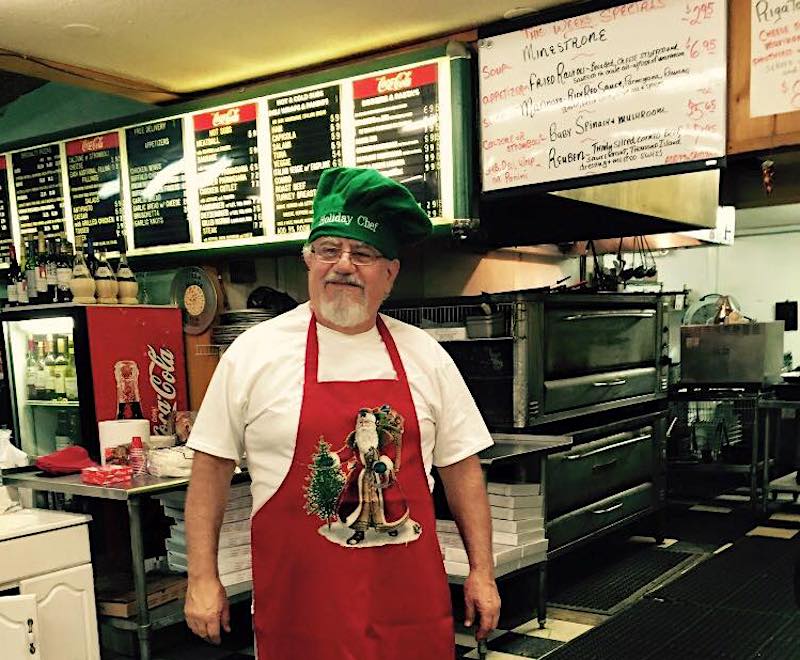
x,y
371,585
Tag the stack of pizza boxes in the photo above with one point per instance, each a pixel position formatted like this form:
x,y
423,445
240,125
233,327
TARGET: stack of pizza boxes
x,y
233,561
518,538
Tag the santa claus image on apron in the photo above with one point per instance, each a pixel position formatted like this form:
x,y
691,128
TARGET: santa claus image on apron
x,y
356,490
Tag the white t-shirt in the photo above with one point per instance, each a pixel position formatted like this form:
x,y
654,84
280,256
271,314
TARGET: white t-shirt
x,y
252,404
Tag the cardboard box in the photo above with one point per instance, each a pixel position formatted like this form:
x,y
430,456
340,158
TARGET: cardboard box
x,y
122,603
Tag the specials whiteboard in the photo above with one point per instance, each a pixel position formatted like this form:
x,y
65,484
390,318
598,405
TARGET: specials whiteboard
x,y
633,86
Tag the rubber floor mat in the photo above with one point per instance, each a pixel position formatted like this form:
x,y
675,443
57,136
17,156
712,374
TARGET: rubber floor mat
x,y
708,529
646,628
785,645
610,583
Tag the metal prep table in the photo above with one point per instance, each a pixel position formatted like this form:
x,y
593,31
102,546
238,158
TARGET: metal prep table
x,y
132,494
773,409
522,458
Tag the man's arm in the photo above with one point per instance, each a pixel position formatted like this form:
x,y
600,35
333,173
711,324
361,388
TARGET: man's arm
x,y
206,602
466,495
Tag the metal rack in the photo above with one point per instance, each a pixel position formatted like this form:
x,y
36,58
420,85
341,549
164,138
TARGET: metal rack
x,y
715,430
452,316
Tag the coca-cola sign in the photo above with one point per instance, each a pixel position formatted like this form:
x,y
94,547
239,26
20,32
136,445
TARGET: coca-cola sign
x,y
402,80
92,144
223,118
162,379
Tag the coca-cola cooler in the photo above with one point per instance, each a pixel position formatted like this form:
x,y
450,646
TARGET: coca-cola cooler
x,y
71,366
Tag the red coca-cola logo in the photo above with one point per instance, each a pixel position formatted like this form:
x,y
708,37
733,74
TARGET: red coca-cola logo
x,y
396,83
230,116
92,144
162,380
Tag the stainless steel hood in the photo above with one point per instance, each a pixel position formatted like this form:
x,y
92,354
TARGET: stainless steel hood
x,y
658,205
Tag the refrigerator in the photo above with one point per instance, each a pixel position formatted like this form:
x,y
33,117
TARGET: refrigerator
x,y
70,366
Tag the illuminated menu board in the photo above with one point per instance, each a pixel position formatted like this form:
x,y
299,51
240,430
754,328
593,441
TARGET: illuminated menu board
x,y
5,212
37,186
228,173
397,130
94,189
157,174
306,134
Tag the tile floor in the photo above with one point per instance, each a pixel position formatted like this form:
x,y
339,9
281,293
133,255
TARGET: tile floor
x,y
563,626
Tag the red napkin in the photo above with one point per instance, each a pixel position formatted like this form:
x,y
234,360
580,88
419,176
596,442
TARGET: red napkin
x,y
69,460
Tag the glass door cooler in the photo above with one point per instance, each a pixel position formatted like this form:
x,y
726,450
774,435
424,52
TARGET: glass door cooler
x,y
71,366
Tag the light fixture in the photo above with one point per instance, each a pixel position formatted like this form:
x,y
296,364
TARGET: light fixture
x,y
518,11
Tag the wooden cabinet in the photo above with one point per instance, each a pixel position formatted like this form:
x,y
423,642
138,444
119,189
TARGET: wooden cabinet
x,y
746,133
19,628
45,555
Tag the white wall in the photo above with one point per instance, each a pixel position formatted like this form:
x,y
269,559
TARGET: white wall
x,y
756,270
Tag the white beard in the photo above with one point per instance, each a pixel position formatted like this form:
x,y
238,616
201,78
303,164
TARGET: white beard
x,y
343,311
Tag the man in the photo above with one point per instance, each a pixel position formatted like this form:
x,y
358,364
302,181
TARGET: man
x,y
288,393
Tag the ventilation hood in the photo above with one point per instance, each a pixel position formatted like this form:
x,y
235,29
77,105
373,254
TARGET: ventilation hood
x,y
670,204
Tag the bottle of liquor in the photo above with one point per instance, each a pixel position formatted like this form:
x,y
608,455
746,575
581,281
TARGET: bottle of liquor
x,y
82,283
31,367
12,275
50,264
63,427
49,363
70,375
60,369
41,270
128,286
32,272
63,270
22,279
107,286
91,258
41,374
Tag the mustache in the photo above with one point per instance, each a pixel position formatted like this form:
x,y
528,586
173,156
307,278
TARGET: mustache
x,y
352,280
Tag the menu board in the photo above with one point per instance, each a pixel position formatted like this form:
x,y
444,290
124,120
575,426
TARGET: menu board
x,y
397,130
228,173
774,58
306,135
37,186
94,188
6,238
157,174
632,86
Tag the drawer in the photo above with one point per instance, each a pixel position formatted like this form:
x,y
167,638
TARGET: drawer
x,y
598,515
579,341
26,556
594,470
568,393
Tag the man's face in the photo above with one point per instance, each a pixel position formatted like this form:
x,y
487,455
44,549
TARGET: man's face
x,y
344,294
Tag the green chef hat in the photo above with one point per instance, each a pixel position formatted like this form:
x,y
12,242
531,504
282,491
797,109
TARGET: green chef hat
x,y
363,205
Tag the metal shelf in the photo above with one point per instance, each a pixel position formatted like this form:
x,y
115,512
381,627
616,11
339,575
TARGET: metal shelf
x,y
53,404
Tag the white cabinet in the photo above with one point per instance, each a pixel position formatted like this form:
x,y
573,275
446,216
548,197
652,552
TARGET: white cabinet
x,y
45,554
19,631
67,616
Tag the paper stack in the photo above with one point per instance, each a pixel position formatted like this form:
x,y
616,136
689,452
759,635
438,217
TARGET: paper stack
x,y
233,560
517,531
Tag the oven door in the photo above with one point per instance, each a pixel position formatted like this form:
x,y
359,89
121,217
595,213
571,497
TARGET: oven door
x,y
586,341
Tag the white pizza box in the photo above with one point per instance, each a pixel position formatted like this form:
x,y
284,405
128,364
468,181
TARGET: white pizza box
x,y
177,498
504,513
495,488
223,554
516,526
236,577
535,548
227,528
446,526
517,501
461,569
509,538
453,548
226,539
178,562
231,515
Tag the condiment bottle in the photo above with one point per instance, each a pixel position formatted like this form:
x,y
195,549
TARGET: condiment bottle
x,y
128,286
107,287
136,456
82,283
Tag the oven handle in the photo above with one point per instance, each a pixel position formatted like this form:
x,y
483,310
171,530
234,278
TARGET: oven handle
x,y
600,450
618,505
586,316
610,383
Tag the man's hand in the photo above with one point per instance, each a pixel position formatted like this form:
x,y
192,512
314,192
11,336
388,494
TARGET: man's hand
x,y
207,608
481,598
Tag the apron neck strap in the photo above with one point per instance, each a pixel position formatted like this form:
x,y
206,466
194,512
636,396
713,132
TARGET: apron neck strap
x,y
312,350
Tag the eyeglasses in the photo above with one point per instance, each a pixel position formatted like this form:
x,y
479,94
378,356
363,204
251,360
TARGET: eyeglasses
x,y
330,254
